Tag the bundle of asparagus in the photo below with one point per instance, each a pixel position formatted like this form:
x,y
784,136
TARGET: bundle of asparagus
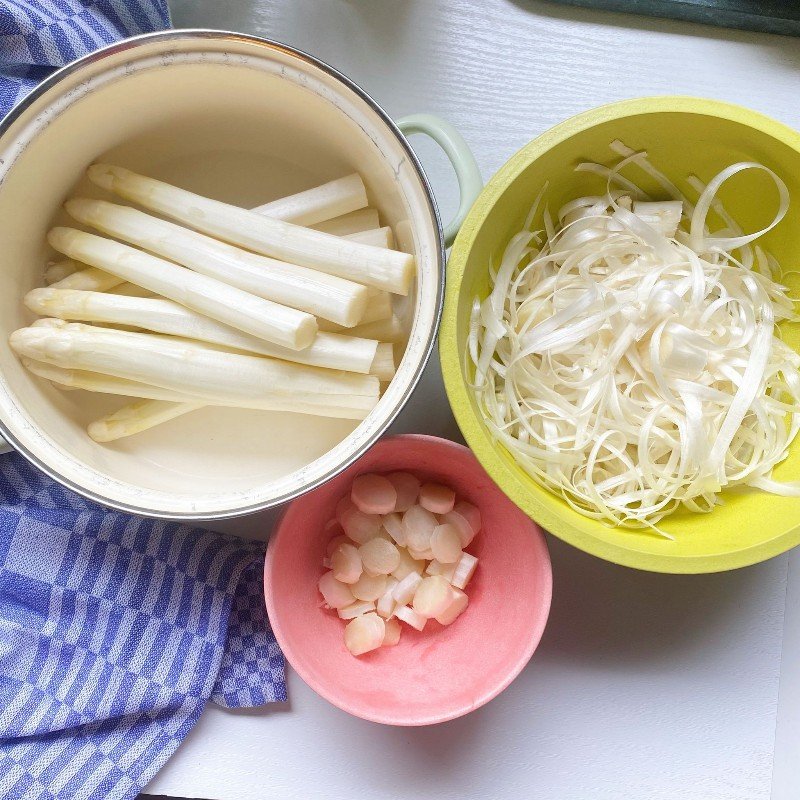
x,y
283,307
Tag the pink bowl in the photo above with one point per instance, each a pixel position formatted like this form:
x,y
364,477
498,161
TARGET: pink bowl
x,y
440,673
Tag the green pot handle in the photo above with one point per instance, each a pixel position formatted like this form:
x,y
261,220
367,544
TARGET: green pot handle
x,y
457,151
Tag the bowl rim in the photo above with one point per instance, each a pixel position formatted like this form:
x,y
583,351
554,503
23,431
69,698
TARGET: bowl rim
x,y
439,253
539,543
460,400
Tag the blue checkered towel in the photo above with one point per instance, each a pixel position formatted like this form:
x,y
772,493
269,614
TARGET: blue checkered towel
x,y
114,630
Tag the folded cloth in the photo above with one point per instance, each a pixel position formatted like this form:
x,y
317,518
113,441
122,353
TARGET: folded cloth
x,y
115,630
37,36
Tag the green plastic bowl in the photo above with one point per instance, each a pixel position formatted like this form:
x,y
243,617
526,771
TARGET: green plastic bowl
x,y
682,136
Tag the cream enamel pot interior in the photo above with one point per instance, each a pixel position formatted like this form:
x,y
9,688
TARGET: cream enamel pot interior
x,y
243,120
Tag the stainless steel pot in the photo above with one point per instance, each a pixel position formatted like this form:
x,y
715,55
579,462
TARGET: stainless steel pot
x,y
243,119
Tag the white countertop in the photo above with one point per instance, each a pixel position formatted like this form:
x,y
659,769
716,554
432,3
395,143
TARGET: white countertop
x,y
645,687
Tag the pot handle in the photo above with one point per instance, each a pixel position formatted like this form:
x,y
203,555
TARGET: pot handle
x,y
460,156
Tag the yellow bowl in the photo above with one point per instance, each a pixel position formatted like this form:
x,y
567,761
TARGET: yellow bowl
x,y
683,136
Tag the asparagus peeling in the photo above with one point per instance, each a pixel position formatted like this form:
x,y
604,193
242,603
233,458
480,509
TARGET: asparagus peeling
x,y
372,266
254,315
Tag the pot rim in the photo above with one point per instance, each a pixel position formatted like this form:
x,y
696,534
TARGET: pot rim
x,y
178,34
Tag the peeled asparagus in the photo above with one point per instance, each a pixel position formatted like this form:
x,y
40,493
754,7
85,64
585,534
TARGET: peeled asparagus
x,y
194,369
379,237
329,350
292,208
383,367
378,307
383,269
90,279
365,219
336,299
127,290
58,270
109,384
322,203
246,312
385,330
137,417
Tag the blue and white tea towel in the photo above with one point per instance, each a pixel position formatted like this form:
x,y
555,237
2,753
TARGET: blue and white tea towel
x,y
114,630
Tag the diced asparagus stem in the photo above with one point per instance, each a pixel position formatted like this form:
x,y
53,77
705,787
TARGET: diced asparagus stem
x,y
330,350
383,269
254,315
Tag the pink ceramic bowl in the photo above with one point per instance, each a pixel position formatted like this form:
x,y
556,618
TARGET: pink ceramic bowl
x,y
440,673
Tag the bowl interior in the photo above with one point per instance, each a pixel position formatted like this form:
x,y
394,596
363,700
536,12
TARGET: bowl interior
x,y
682,137
242,122
432,675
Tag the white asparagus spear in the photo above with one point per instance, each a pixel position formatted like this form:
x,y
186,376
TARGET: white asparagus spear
x,y
330,350
263,318
383,269
124,290
380,237
322,406
90,279
379,306
189,367
383,365
314,292
58,270
137,417
365,219
319,204
384,330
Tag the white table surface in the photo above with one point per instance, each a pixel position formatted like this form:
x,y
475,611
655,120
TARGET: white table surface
x,y
645,687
